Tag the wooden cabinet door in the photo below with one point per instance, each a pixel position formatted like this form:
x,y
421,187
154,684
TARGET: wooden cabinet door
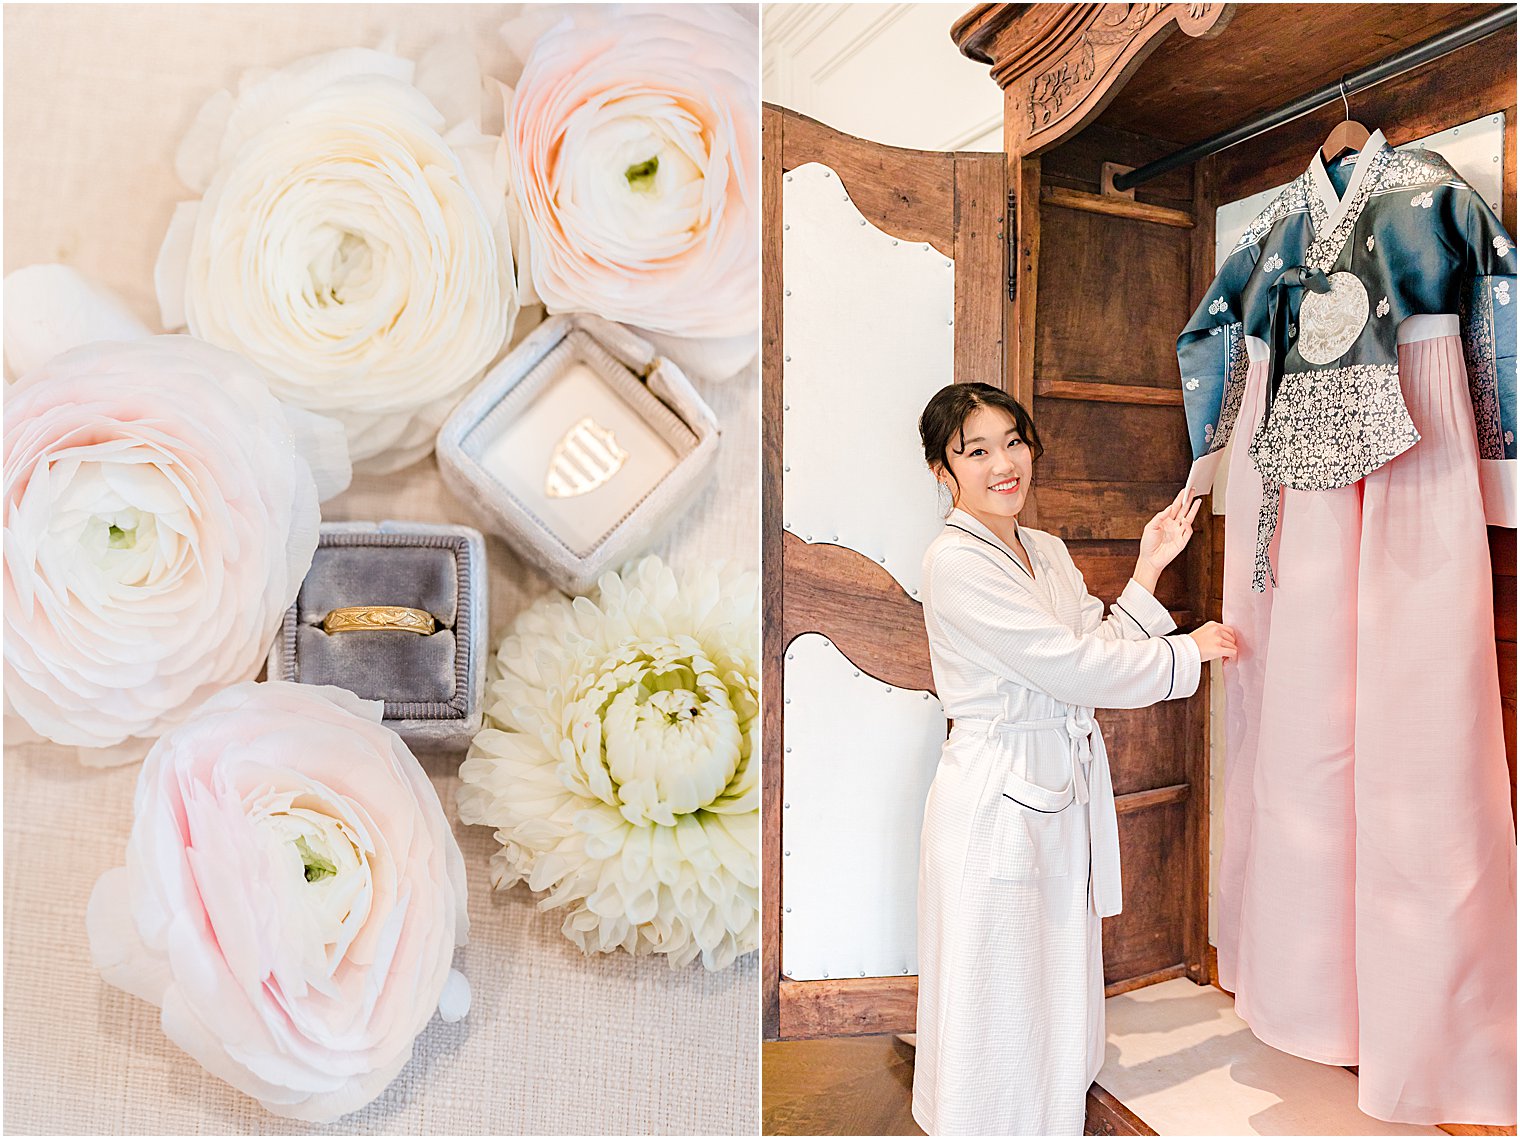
x,y
952,206
959,204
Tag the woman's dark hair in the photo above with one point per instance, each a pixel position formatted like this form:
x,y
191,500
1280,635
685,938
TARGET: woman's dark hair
x,y
942,426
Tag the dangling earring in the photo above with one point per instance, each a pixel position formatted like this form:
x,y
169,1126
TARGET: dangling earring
x,y
947,499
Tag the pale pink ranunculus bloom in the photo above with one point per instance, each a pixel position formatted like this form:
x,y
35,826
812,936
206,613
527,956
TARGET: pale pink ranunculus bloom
x,y
160,514
292,897
634,145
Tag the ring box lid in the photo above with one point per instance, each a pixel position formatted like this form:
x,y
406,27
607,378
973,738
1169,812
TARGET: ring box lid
x,y
579,447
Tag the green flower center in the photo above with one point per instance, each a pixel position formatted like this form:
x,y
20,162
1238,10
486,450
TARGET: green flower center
x,y
641,175
317,867
122,539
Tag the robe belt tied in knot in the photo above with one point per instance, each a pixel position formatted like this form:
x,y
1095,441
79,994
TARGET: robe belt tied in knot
x,y
1093,786
1281,334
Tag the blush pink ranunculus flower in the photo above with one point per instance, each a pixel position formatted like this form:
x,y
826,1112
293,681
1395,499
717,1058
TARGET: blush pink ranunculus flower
x,y
160,514
292,897
634,144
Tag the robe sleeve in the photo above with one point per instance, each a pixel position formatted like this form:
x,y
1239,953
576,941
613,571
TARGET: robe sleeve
x,y
1488,342
1211,356
1135,616
1010,634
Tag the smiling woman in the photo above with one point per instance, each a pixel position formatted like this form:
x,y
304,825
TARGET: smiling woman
x,y
1019,861
996,445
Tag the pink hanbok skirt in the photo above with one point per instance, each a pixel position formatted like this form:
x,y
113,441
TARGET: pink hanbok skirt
x,y
1367,885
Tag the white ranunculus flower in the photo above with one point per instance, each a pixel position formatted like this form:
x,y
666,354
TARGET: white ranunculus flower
x,y
160,515
291,899
620,770
52,308
351,240
634,137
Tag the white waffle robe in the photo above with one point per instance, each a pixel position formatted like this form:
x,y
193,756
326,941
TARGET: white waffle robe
x,y
1020,848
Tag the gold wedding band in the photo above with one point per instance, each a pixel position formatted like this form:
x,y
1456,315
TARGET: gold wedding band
x,y
360,618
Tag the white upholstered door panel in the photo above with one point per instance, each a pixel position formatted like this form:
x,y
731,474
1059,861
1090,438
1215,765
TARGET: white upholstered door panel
x,y
868,326
859,757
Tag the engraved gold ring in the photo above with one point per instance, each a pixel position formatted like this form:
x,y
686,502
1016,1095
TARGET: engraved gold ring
x,y
361,618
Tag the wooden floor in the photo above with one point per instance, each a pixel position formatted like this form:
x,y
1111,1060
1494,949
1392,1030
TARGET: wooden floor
x,y
861,1085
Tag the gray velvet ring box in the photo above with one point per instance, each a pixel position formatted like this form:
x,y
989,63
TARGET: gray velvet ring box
x,y
431,685
579,448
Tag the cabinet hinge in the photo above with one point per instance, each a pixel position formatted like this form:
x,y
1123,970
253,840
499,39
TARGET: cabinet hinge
x,y
1011,230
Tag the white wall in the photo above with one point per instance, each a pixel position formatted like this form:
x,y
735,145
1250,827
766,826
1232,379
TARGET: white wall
x,y
884,72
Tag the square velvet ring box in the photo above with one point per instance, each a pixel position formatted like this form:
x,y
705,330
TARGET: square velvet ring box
x,y
579,448
370,585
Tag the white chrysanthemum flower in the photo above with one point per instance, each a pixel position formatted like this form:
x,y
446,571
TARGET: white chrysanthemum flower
x,y
620,768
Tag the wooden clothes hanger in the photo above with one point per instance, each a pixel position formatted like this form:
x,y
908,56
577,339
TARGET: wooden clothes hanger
x,y
1348,135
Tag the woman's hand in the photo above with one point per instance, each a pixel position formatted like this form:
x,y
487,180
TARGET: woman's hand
x,y
1165,536
1214,641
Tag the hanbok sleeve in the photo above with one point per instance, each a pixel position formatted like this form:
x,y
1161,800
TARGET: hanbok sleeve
x,y
1488,340
1211,355
1012,635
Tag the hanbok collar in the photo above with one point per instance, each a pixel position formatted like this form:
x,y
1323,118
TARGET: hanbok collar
x,y
964,520
1335,204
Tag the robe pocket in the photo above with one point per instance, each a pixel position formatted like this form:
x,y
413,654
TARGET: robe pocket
x,y
1031,832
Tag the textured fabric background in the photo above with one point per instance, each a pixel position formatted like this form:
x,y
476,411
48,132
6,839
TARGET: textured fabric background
x,y
96,100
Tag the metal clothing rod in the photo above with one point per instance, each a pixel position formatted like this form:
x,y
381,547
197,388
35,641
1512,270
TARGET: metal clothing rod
x,y
1410,58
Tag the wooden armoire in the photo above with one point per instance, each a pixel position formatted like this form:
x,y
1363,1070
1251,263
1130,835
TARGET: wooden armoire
x,y
1071,295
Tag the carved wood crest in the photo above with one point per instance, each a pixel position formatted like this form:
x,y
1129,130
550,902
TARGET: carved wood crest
x,y
1061,63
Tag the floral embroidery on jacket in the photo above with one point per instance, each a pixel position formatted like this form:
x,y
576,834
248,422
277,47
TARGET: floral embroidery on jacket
x,y
1296,197
1304,443
1238,363
1327,246
1477,313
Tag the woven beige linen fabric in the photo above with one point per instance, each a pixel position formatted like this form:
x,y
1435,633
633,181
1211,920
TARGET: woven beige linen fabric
x,y
96,100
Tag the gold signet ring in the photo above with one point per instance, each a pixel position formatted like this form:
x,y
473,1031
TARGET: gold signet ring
x,y
357,618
